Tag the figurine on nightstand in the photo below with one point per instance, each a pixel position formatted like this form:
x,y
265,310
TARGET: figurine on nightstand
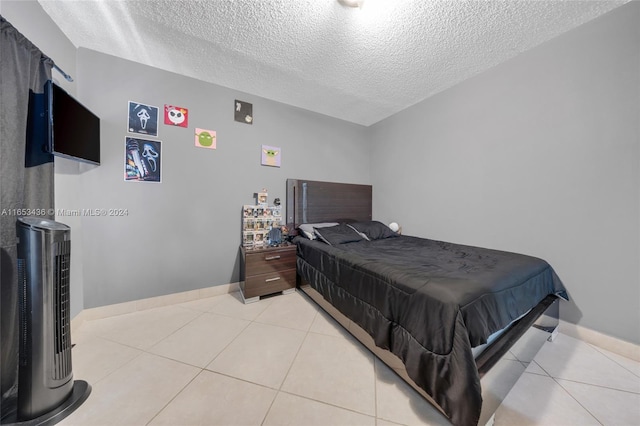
x,y
274,236
262,197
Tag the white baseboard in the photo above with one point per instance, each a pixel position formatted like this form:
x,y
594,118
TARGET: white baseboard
x,y
601,340
152,302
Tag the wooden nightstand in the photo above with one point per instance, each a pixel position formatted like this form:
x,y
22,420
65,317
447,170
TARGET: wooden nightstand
x,y
267,270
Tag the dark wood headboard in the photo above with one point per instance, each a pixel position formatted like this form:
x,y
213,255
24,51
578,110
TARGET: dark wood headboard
x,y
311,201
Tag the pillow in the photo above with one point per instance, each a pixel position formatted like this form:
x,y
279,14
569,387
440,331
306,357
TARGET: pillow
x,y
307,228
339,234
363,235
374,230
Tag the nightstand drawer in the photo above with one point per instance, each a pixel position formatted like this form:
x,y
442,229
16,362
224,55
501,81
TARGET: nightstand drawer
x,y
258,285
269,261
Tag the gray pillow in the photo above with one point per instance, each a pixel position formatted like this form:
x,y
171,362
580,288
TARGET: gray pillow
x,y
307,228
340,234
374,230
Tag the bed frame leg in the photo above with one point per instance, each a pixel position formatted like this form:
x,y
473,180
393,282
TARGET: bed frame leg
x,y
553,335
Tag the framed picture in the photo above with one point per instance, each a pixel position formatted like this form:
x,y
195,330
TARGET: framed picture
x,y
243,112
271,156
176,116
142,160
205,138
143,119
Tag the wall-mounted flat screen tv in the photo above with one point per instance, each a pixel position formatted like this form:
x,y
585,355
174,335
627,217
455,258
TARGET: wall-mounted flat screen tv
x,y
74,131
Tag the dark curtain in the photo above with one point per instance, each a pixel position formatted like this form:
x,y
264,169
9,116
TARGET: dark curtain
x,y
26,181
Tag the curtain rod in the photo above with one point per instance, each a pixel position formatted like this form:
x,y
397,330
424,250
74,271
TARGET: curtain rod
x,y
64,74
44,57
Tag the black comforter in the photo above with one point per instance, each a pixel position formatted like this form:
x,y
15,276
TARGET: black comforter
x,y
429,302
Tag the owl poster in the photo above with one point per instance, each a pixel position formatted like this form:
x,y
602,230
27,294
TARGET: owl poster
x,y
176,116
205,138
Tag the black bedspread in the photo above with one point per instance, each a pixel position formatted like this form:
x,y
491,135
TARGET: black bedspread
x,y
429,302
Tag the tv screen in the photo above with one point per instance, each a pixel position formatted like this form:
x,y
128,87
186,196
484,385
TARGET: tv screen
x,y
74,131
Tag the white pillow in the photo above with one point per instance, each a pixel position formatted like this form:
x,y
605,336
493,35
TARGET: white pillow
x,y
307,228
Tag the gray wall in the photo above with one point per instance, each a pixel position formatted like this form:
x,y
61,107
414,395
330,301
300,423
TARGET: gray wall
x,y
33,22
539,155
184,233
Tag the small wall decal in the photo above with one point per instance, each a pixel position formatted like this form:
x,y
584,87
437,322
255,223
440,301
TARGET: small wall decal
x,y
243,112
142,160
205,138
271,156
143,119
176,116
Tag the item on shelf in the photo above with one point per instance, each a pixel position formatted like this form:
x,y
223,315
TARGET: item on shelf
x,y
262,197
258,222
274,236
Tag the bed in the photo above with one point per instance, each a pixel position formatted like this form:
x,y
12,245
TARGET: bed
x,y
441,315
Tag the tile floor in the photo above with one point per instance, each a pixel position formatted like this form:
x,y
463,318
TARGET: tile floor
x,y
283,361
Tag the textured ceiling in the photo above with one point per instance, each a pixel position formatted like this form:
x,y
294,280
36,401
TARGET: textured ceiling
x,y
358,64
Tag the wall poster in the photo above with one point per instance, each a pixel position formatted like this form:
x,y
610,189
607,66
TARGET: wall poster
x,y
271,156
243,112
176,116
143,119
142,160
205,138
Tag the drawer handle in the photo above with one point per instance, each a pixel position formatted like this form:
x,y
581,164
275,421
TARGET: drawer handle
x,y
268,280
272,258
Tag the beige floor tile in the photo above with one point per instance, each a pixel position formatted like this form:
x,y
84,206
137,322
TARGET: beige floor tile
x,y
609,406
572,359
380,422
201,340
534,368
289,310
294,410
334,370
133,394
509,355
232,305
400,403
331,373
212,399
526,348
261,354
324,324
94,358
629,364
141,329
539,400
